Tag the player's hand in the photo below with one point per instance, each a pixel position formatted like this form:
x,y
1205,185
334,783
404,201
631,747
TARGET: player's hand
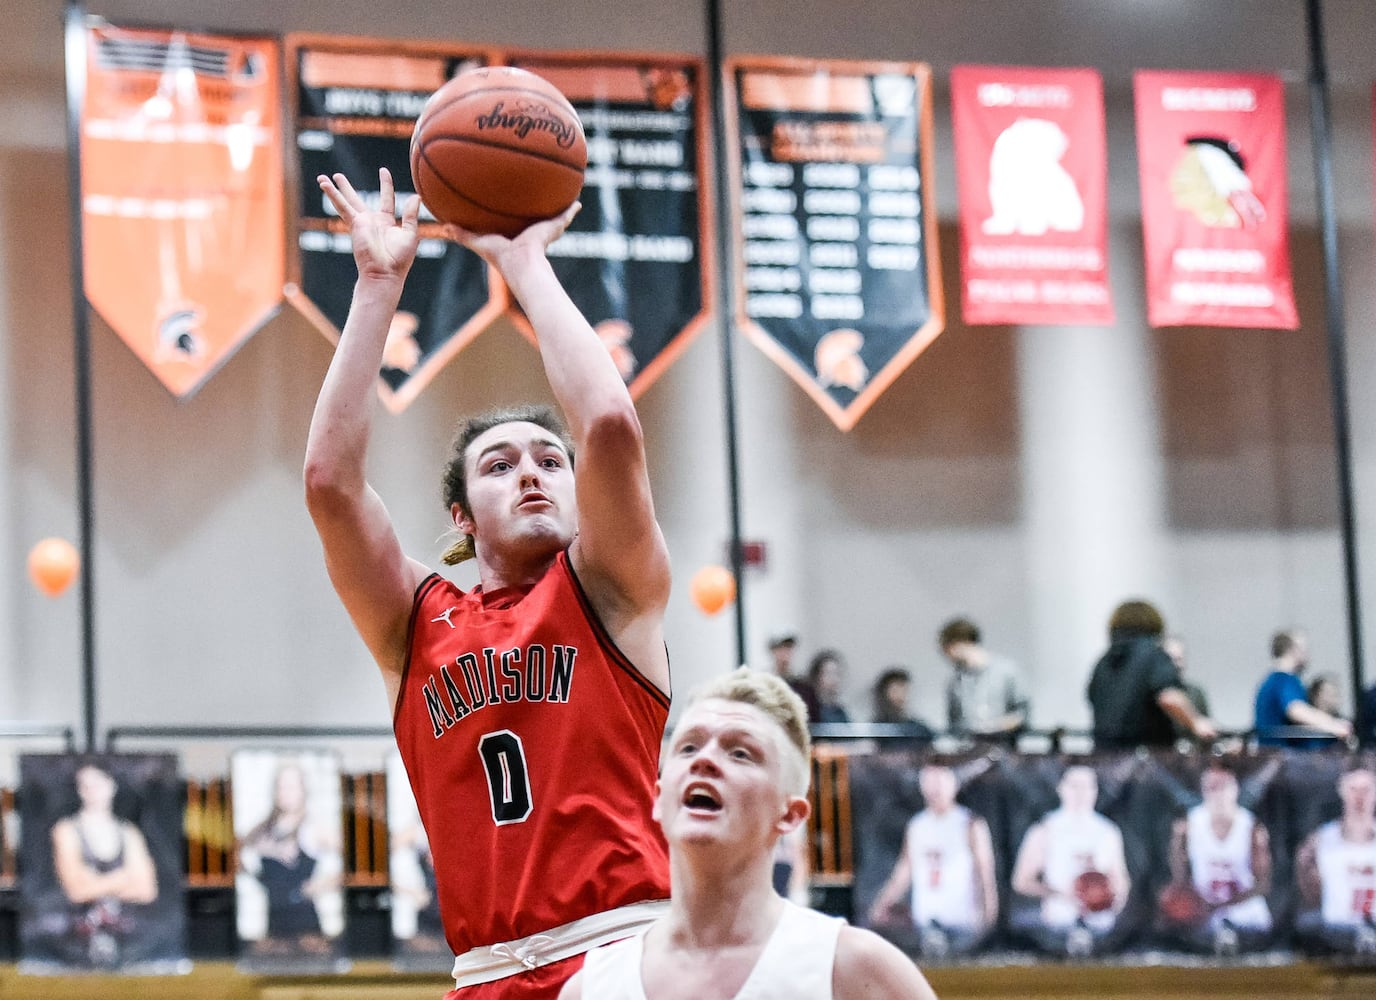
x,y
384,247
497,249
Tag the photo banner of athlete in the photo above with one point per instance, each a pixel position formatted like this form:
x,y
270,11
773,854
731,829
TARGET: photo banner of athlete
x,y
355,103
835,221
1081,857
288,883
418,942
1032,173
181,194
1211,155
100,885
638,258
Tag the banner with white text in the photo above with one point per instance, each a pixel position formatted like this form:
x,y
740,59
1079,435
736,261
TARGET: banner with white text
x,y
1032,171
637,260
835,222
1211,150
356,102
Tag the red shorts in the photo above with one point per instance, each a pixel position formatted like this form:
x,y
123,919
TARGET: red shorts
x,y
543,983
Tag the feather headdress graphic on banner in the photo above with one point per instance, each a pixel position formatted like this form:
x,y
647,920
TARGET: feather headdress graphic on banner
x,y
1032,167
835,222
356,102
181,192
637,260
1211,148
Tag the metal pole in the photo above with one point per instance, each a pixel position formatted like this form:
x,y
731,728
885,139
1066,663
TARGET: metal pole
x,y
725,308
1337,338
75,49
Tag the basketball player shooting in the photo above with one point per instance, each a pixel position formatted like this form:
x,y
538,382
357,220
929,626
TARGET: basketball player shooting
x,y
528,710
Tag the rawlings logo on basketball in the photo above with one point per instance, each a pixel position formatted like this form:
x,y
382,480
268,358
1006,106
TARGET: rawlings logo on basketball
x,y
530,116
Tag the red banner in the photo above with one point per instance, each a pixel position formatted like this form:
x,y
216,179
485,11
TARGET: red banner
x,y
181,185
1211,148
1032,168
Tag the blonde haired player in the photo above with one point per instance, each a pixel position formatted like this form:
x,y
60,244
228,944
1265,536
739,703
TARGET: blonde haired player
x,y
734,780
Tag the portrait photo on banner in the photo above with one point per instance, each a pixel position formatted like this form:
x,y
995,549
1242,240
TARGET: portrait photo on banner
x,y
100,886
289,879
417,934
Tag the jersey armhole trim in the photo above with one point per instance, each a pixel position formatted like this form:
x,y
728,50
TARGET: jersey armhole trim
x,y
614,653
422,590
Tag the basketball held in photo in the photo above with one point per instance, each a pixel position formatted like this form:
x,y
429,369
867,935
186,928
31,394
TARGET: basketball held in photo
x,y
1094,891
497,148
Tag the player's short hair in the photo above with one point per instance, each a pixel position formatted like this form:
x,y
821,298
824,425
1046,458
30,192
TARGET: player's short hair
x,y
455,481
957,630
771,695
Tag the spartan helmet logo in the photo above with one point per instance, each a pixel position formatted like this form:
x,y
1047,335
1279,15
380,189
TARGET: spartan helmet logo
x,y
837,360
179,334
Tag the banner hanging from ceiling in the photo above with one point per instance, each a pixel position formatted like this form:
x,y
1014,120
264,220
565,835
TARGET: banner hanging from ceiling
x,y
181,194
835,222
1032,171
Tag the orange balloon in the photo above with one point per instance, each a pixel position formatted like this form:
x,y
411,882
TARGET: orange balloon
x,y
53,564
713,588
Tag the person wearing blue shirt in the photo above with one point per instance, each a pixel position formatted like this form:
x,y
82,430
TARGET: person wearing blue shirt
x,y
1283,701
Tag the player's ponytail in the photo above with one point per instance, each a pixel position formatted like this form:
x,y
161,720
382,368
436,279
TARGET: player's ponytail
x,y
460,551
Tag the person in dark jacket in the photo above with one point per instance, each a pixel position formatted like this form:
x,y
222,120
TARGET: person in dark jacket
x,y
1136,691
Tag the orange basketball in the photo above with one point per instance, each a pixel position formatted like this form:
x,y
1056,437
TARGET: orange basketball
x,y
496,149
1094,891
1181,904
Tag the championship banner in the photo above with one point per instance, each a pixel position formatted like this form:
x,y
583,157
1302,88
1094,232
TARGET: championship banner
x,y
100,883
356,102
181,194
637,260
1211,149
835,222
1032,166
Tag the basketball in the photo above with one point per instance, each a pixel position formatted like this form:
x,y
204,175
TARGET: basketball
x,y
496,149
1093,891
1181,904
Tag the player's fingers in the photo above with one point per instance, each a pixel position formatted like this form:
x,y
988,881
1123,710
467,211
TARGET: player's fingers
x,y
387,194
347,190
341,205
410,212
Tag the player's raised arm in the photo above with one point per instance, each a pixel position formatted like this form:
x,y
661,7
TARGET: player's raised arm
x,y
373,577
619,554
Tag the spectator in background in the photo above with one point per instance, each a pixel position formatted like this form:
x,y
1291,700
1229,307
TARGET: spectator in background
x,y
1135,691
1282,700
891,707
824,674
1175,649
783,644
985,696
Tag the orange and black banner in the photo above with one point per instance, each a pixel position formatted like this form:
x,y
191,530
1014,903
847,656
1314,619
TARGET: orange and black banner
x,y
637,259
1032,169
1211,152
835,221
355,103
181,187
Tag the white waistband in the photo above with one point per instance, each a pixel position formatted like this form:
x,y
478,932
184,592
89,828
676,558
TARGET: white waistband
x,y
483,965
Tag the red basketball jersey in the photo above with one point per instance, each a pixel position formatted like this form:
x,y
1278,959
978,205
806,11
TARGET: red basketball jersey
x,y
532,745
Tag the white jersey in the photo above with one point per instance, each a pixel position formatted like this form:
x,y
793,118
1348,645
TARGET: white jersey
x,y
1221,867
1347,872
1077,843
943,868
796,963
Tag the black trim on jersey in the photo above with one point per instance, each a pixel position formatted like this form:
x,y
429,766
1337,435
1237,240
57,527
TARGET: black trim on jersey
x,y
422,589
607,643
